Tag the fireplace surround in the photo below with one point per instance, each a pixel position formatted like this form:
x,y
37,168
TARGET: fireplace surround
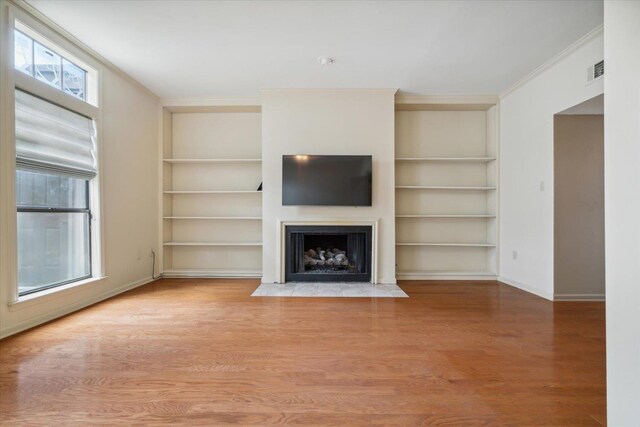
x,y
281,245
328,253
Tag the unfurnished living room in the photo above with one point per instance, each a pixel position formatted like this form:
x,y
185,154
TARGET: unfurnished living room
x,y
358,213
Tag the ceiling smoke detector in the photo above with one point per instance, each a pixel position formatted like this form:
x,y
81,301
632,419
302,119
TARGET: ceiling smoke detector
x,y
325,60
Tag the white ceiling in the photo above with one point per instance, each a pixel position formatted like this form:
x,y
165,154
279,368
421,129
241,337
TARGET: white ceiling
x,y
209,49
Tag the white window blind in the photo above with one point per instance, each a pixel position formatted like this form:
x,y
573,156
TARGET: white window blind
x,y
50,138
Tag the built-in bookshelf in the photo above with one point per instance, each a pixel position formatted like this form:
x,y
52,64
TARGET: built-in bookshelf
x,y
446,192
211,204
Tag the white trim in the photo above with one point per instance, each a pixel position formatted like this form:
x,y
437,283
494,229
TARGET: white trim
x,y
389,91
579,297
158,247
280,232
98,235
222,274
209,102
446,99
498,184
185,105
54,95
30,323
527,288
8,237
550,63
451,276
51,293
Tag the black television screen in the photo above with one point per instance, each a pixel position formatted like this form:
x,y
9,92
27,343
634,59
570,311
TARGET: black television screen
x,y
326,180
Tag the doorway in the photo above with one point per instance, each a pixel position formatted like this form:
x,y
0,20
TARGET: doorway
x,y
579,261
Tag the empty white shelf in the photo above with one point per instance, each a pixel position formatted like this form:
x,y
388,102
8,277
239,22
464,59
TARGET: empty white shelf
x,y
212,243
446,159
212,160
254,218
472,245
429,187
445,216
212,192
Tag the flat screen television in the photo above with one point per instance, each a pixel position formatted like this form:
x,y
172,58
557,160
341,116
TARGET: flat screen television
x,y
326,180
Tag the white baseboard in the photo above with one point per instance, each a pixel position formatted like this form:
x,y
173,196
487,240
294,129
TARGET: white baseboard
x,y
579,297
212,274
526,288
27,324
445,277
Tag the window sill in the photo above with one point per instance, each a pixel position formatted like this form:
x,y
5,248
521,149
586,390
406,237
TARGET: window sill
x,y
60,291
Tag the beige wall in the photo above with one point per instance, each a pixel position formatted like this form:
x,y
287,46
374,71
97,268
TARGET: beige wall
x,y
129,177
358,122
579,206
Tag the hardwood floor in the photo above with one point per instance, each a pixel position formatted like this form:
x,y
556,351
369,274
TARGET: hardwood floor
x,y
203,352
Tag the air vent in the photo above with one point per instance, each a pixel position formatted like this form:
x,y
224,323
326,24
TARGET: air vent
x,y
595,71
598,70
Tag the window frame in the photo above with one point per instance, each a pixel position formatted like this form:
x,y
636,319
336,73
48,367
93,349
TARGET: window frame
x,y
45,210
23,30
13,79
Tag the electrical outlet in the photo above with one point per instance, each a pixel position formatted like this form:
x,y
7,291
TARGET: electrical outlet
x,y
541,185
515,255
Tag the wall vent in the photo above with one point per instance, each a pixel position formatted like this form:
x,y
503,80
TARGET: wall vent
x,y
595,71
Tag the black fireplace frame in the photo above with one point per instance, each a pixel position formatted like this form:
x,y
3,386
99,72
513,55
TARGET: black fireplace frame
x,y
362,259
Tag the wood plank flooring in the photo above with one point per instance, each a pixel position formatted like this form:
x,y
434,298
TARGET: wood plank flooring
x,y
203,352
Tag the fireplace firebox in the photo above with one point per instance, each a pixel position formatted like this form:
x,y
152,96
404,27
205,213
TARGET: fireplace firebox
x,y
327,253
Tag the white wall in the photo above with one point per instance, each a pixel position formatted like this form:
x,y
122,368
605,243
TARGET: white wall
x,y
526,153
358,122
622,210
129,176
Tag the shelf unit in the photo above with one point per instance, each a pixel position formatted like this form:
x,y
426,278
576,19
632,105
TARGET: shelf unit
x,y
446,192
211,208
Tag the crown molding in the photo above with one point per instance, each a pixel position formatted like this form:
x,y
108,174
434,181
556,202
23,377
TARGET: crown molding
x,y
599,30
44,20
210,102
388,91
445,102
446,99
212,105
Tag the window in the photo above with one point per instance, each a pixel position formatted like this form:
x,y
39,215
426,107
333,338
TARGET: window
x,y
53,230
43,63
57,189
55,164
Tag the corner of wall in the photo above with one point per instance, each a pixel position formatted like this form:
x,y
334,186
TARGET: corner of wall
x,y
526,287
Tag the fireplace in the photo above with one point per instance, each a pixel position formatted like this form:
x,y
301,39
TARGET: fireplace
x,y
327,253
